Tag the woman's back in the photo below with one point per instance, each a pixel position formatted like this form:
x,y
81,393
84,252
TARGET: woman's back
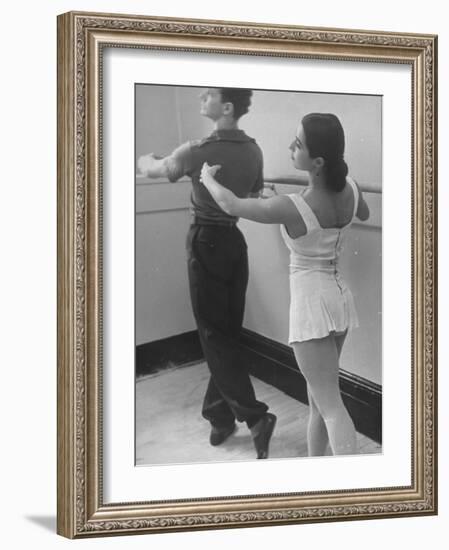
x,y
320,300
326,218
332,210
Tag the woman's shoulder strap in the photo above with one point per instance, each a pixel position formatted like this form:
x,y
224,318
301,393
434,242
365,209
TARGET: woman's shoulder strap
x,y
355,190
307,214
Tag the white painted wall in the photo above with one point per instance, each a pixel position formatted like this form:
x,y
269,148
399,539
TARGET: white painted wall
x,y
274,117
166,117
163,306
162,217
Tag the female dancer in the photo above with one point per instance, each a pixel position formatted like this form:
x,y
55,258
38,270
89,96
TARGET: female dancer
x,y
314,225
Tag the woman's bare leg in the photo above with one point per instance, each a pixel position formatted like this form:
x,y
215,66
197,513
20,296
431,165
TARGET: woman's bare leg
x,y
318,360
340,338
317,438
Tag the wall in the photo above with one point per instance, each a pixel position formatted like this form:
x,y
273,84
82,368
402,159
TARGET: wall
x,y
167,116
162,217
162,294
28,275
274,117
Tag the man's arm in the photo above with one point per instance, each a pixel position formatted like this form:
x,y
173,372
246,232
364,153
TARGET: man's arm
x,y
152,166
258,187
171,167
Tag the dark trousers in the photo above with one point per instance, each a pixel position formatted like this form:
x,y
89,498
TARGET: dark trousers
x,y
218,277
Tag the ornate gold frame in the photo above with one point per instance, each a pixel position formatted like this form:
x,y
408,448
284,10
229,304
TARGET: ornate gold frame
x,y
81,37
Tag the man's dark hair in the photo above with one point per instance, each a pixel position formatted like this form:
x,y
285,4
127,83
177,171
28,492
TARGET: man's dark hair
x,y
240,99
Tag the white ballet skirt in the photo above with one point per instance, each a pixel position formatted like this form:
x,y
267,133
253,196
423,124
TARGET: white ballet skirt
x,y
320,301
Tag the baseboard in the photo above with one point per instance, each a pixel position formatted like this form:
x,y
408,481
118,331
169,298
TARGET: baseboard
x,y
273,363
179,350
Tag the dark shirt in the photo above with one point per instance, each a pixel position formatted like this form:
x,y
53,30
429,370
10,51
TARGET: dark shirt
x,y
241,170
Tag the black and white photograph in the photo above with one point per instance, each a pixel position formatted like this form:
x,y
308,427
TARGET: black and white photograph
x,y
258,274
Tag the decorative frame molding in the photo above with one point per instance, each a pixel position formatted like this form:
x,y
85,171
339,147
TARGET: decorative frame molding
x,y
81,37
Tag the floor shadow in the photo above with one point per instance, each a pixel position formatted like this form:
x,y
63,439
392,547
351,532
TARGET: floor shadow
x,y
46,522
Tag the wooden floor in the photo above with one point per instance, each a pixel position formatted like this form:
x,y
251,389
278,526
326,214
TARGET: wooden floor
x,y
171,430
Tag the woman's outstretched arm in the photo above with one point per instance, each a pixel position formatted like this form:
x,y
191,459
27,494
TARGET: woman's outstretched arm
x,y
278,209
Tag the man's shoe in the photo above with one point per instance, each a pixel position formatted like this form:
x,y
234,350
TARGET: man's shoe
x,y
218,435
262,432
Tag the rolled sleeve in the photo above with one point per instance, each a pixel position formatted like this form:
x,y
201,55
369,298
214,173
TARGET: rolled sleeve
x,y
258,185
179,163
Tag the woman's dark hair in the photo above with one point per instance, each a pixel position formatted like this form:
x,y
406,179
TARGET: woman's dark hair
x,y
240,99
325,138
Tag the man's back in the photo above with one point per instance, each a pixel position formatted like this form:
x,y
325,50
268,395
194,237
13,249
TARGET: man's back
x,y
241,170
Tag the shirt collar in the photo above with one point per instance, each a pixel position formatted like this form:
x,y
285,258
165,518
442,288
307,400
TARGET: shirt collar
x,y
228,135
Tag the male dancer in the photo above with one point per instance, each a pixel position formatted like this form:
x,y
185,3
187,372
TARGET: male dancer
x,y
218,261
